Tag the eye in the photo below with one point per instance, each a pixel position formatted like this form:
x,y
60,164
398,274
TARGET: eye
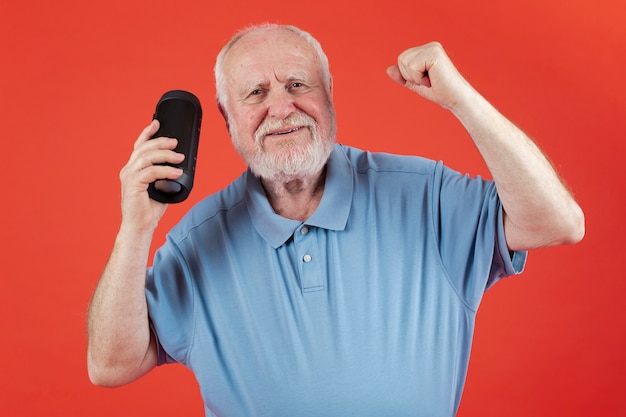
x,y
256,94
298,86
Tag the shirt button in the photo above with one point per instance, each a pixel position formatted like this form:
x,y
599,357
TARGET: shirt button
x,y
304,230
306,258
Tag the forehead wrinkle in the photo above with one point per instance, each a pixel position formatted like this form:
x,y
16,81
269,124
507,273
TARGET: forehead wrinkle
x,y
254,70
291,76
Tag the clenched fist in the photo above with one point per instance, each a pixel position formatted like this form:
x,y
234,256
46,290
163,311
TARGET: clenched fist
x,y
428,71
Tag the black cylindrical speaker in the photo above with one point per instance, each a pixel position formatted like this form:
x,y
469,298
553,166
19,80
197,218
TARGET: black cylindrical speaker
x,y
180,115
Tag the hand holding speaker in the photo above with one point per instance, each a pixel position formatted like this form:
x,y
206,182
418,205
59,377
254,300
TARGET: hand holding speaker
x,y
180,115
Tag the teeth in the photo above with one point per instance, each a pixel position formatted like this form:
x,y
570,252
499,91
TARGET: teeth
x,y
286,132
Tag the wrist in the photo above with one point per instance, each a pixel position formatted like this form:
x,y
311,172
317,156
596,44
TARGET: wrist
x,y
131,234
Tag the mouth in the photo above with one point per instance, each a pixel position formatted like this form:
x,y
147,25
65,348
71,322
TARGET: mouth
x,y
285,131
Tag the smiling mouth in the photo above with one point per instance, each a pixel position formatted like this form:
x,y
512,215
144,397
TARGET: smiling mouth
x,y
285,132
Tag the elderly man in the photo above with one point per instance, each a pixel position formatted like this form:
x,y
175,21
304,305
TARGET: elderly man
x,y
326,280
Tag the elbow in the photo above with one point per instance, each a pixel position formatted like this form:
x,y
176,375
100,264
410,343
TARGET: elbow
x,y
97,370
107,369
578,231
108,373
574,228
545,230
101,375
99,378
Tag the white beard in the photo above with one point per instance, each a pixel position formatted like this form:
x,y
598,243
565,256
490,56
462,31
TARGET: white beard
x,y
294,160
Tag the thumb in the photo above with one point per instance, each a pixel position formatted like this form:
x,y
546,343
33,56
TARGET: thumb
x,y
421,89
394,73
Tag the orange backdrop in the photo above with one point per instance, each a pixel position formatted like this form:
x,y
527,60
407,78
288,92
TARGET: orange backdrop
x,y
79,80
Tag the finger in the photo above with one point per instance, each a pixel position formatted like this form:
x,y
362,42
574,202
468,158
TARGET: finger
x,y
144,148
423,79
159,143
164,156
147,132
158,156
147,155
396,75
414,69
139,179
158,172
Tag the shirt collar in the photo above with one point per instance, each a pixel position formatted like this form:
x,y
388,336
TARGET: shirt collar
x,y
332,213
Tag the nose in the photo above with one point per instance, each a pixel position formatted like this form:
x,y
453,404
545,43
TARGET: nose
x,y
280,104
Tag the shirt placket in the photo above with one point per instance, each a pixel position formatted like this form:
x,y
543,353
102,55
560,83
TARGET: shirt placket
x,y
309,261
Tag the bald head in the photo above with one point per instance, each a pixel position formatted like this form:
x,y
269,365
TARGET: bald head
x,y
259,35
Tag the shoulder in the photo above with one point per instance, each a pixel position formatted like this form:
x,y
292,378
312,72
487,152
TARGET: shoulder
x,y
213,209
364,161
393,172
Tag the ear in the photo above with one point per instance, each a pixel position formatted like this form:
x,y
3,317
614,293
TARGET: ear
x,y
330,86
224,114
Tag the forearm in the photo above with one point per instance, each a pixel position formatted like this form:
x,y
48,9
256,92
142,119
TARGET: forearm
x,y
539,209
120,345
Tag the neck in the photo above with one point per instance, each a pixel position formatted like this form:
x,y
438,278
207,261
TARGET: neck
x,y
295,198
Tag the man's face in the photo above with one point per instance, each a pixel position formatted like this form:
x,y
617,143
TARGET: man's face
x,y
279,111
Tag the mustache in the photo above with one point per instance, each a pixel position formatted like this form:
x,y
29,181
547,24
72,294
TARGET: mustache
x,y
273,125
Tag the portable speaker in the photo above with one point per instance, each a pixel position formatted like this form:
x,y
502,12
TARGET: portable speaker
x,y
180,115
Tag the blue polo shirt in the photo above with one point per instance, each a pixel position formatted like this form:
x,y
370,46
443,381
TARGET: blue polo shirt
x,y
366,309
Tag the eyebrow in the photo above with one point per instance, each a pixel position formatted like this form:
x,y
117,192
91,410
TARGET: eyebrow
x,y
254,84
298,76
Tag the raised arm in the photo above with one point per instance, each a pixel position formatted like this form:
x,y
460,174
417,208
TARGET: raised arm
x,y
121,346
539,209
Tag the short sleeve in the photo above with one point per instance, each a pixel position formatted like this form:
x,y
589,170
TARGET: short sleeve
x,y
170,299
470,234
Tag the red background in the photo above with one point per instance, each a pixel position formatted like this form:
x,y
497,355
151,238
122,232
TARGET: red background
x,y
79,80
